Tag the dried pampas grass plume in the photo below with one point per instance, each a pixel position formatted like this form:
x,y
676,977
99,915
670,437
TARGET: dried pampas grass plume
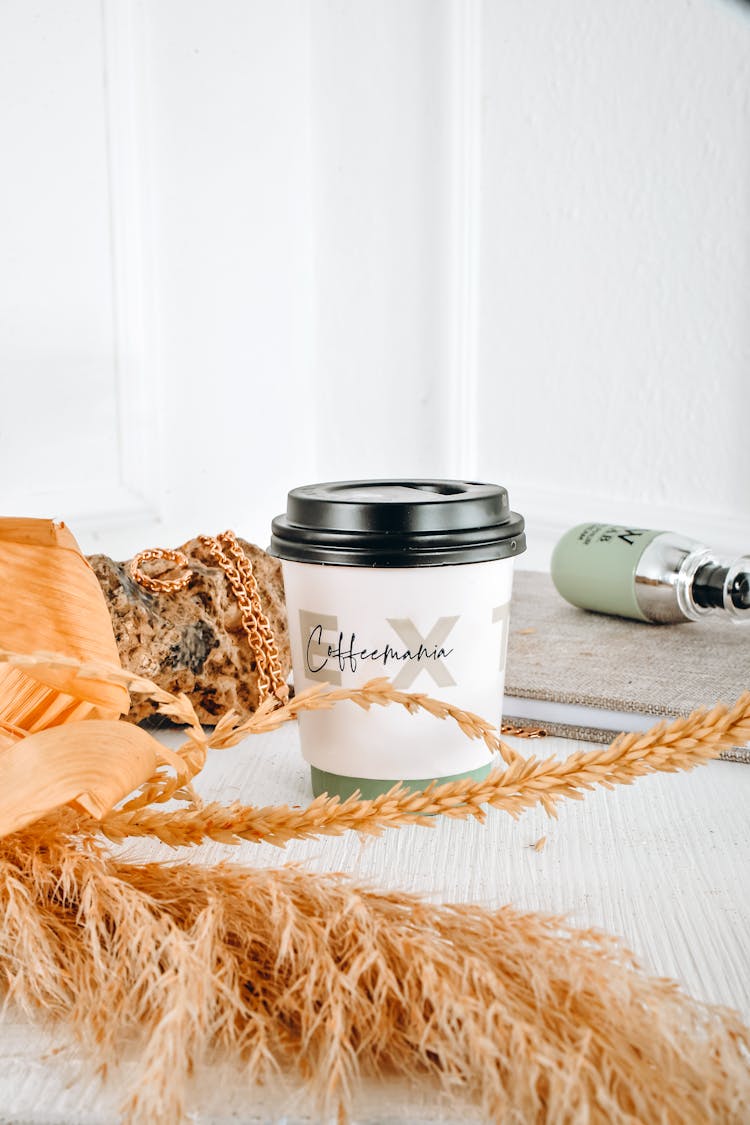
x,y
517,1014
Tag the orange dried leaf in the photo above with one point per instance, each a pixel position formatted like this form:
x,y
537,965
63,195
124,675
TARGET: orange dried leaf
x,y
92,765
51,601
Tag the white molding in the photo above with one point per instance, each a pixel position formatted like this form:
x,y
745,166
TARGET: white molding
x,y
92,505
549,513
135,362
465,169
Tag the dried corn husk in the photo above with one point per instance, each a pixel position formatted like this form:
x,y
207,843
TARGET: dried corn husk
x,y
91,766
51,601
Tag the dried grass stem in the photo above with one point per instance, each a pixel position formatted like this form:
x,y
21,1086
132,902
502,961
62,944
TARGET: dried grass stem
x,y
523,783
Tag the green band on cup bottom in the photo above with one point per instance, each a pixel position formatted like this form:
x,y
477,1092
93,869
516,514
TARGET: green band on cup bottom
x,y
338,785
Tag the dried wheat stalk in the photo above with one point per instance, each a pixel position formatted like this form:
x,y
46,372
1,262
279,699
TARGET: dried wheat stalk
x,y
667,747
518,1014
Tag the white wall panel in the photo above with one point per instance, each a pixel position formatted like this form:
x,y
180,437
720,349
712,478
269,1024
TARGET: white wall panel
x,y
615,338
59,449
250,244
228,145
381,153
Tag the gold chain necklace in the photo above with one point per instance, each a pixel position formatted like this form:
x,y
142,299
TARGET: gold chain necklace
x,y
227,553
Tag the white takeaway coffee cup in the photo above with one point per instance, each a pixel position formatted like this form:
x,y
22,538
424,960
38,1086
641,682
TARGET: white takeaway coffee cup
x,y
408,579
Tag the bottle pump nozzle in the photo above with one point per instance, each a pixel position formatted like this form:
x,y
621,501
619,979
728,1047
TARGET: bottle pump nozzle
x,y
715,586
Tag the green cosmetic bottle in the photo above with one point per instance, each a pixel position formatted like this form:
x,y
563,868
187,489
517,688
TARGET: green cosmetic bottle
x,y
654,576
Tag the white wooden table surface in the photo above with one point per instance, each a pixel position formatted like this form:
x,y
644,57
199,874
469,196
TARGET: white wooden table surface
x,y
665,863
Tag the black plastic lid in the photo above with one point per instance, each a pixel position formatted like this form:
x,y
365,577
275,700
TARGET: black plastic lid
x,y
397,523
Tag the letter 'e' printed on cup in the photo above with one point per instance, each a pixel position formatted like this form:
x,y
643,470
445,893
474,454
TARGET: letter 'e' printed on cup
x,y
409,579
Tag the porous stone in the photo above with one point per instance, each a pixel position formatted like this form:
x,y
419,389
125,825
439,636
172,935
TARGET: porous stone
x,y
193,641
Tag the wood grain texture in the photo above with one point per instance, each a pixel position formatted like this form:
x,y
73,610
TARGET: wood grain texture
x,y
664,863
